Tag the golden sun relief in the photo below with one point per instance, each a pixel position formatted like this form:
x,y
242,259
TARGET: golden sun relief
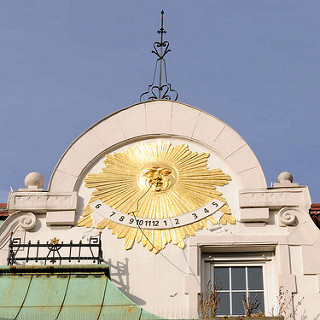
x,y
158,193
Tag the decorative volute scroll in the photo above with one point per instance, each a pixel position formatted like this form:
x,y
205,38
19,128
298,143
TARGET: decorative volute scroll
x,y
25,220
287,217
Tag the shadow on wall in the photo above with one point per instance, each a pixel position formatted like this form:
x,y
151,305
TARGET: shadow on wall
x,y
305,317
119,274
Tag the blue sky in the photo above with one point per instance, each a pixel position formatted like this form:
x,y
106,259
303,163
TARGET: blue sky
x,y
66,64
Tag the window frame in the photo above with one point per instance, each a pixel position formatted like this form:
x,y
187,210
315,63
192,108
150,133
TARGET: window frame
x,y
241,259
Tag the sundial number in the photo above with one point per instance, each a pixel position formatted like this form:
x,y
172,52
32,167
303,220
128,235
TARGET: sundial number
x,y
159,223
146,223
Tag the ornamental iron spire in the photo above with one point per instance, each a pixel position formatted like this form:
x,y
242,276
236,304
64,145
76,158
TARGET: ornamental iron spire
x,y
161,90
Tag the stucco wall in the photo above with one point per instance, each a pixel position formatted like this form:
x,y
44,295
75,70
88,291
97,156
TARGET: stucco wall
x,y
272,220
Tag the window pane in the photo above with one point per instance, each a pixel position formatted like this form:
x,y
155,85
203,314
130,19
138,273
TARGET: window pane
x,y
221,275
238,278
237,305
260,299
255,278
224,305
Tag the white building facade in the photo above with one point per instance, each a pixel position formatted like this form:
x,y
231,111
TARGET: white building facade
x,y
180,200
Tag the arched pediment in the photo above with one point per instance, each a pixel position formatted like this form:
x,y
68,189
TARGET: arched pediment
x,y
155,119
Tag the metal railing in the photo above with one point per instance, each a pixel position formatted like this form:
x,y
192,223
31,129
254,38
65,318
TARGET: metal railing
x,y
54,251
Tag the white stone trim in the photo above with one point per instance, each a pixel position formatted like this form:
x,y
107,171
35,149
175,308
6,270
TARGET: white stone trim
x,y
311,259
41,201
61,218
254,215
163,118
272,198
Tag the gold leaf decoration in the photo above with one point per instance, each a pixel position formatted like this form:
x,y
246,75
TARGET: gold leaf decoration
x,y
155,181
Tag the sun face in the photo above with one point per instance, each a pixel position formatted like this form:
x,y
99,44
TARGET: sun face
x,y
157,177
156,180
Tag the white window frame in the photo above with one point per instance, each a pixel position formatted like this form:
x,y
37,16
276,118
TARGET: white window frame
x,y
243,259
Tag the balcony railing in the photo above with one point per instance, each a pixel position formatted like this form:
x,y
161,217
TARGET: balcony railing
x,y
54,251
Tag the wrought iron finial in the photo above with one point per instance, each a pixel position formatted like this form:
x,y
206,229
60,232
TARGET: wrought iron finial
x,y
161,90
54,241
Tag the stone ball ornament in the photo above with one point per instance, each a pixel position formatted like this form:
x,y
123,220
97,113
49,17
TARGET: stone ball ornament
x,y
34,180
285,176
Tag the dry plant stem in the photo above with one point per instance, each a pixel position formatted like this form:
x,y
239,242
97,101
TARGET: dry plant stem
x,y
249,305
285,305
209,300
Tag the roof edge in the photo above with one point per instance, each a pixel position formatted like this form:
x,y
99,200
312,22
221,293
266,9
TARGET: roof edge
x,y
83,268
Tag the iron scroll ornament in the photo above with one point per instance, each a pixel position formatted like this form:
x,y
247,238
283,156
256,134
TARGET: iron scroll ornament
x,y
163,89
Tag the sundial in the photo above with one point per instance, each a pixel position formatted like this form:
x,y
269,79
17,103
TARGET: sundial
x,y
156,193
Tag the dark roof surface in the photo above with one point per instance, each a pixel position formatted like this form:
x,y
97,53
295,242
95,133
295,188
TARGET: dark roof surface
x,y
3,211
315,213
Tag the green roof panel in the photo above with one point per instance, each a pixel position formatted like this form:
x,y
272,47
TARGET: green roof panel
x,y
12,294
45,296
84,296
64,293
114,297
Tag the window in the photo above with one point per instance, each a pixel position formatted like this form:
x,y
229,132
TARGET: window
x,y
237,283
239,275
